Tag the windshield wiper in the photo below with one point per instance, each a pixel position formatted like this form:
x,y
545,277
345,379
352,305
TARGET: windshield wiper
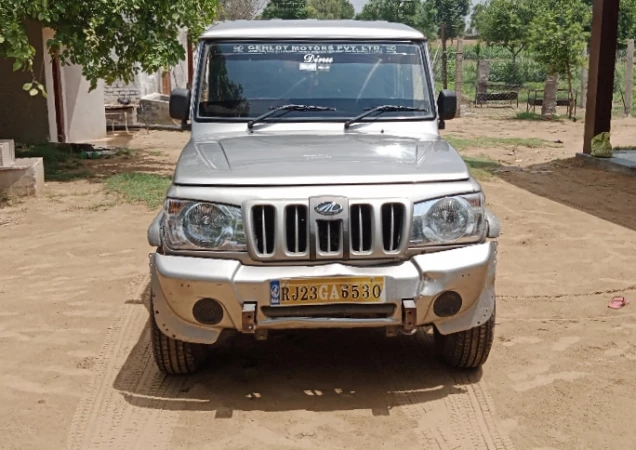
x,y
381,109
262,117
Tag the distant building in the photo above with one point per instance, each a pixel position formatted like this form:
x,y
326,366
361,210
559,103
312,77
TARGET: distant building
x,y
29,119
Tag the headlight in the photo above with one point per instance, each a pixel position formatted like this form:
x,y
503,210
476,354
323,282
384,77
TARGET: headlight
x,y
448,220
203,226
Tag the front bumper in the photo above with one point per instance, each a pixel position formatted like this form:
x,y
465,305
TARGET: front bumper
x,y
178,282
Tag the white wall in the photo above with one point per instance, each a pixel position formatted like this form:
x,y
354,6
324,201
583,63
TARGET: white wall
x,y
84,116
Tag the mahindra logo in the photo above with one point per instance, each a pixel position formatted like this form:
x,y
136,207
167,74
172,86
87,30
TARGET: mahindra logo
x,y
328,208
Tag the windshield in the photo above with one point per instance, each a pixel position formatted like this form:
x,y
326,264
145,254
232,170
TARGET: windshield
x,y
241,80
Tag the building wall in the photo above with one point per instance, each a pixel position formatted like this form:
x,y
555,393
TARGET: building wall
x,y
23,117
84,110
84,116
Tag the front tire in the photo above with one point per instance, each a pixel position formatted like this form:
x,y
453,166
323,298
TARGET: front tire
x,y
467,349
175,357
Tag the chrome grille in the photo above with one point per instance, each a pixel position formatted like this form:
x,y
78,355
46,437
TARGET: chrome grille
x,y
329,236
361,218
392,226
281,230
296,231
263,226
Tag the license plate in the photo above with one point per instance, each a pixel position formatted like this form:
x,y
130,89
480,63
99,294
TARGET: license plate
x,y
306,291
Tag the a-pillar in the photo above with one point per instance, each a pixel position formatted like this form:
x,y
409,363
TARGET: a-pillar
x,y
600,90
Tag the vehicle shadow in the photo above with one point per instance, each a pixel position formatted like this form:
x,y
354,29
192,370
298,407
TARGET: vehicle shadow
x,y
607,195
336,370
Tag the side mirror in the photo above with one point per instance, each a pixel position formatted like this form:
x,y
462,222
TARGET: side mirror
x,y
446,106
179,105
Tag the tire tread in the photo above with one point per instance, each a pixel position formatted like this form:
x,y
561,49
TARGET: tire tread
x,y
467,349
175,357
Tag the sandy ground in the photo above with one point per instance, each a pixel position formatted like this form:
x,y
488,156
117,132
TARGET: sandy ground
x,y
76,372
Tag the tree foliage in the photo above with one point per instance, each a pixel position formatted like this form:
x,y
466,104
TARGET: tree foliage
x,y
476,17
506,23
286,9
451,13
626,20
240,9
330,9
558,36
110,39
415,13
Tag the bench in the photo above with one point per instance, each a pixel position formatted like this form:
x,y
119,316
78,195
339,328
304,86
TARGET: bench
x,y
534,100
490,97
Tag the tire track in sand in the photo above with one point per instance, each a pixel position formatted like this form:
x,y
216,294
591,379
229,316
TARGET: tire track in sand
x,y
123,408
453,411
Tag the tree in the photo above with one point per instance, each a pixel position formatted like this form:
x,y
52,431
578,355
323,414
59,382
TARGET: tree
x,y
415,13
110,39
330,9
505,23
452,13
240,9
286,9
626,20
558,38
476,17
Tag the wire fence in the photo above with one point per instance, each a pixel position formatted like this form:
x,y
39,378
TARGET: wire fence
x,y
492,76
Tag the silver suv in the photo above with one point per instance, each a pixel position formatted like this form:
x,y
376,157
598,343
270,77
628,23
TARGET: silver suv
x,y
316,192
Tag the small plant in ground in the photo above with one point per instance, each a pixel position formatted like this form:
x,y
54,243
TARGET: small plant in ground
x,y
148,188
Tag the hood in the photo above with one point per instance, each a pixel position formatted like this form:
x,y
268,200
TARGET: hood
x,y
285,160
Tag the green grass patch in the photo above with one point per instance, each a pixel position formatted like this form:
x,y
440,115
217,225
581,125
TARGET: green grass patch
x,y
624,147
482,167
59,164
528,115
461,143
147,188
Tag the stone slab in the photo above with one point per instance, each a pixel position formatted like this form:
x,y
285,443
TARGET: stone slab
x,y
25,178
7,152
622,161
154,110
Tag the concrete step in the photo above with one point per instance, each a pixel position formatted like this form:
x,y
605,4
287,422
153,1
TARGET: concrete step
x,y
7,152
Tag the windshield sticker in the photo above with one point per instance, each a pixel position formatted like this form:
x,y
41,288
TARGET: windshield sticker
x,y
311,58
310,67
314,50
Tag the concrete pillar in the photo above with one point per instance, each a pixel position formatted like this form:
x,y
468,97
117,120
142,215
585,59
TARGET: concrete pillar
x,y
598,116
629,77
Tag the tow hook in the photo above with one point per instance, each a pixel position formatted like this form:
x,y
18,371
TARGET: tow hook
x,y
249,318
409,317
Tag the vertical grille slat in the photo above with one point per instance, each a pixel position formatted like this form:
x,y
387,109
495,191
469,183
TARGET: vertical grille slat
x,y
361,228
296,228
264,226
392,225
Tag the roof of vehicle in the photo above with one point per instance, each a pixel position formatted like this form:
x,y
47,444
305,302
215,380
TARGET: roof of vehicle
x,y
311,29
